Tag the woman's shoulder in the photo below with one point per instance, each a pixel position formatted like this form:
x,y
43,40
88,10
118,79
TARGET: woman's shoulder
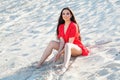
x,y
73,24
61,25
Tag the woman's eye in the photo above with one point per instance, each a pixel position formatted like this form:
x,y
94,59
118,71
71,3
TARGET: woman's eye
x,y
67,13
63,13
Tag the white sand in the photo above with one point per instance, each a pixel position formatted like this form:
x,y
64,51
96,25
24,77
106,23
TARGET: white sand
x,y
27,26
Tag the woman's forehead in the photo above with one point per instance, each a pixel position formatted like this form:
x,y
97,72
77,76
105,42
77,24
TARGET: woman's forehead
x,y
65,11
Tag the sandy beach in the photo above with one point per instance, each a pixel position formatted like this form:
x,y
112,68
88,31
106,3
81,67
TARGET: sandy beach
x,y
27,26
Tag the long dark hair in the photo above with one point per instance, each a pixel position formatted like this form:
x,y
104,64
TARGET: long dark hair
x,y
61,21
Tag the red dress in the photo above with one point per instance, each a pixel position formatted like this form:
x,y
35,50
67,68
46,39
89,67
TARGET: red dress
x,y
72,31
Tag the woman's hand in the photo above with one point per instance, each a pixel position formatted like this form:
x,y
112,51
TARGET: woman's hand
x,y
58,55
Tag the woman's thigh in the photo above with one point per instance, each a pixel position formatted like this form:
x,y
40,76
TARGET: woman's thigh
x,y
75,49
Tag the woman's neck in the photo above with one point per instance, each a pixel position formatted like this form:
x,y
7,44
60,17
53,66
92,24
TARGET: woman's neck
x,y
67,22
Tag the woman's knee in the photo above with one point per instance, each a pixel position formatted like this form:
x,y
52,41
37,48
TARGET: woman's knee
x,y
68,45
53,44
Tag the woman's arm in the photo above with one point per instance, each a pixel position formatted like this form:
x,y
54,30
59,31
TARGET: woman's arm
x,y
72,33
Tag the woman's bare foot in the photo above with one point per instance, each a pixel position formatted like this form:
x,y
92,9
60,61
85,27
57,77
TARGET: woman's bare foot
x,y
58,66
62,70
39,65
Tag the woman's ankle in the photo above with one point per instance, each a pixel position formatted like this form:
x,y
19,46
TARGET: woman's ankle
x,y
39,65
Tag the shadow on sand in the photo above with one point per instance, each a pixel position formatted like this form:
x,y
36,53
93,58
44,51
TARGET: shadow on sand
x,y
46,72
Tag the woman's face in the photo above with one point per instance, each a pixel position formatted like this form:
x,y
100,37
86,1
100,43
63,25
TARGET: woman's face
x,y
66,15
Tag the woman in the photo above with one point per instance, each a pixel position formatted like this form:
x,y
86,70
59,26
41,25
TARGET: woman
x,y
69,40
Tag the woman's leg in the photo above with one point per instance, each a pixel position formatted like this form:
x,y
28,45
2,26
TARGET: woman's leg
x,y
70,50
52,45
